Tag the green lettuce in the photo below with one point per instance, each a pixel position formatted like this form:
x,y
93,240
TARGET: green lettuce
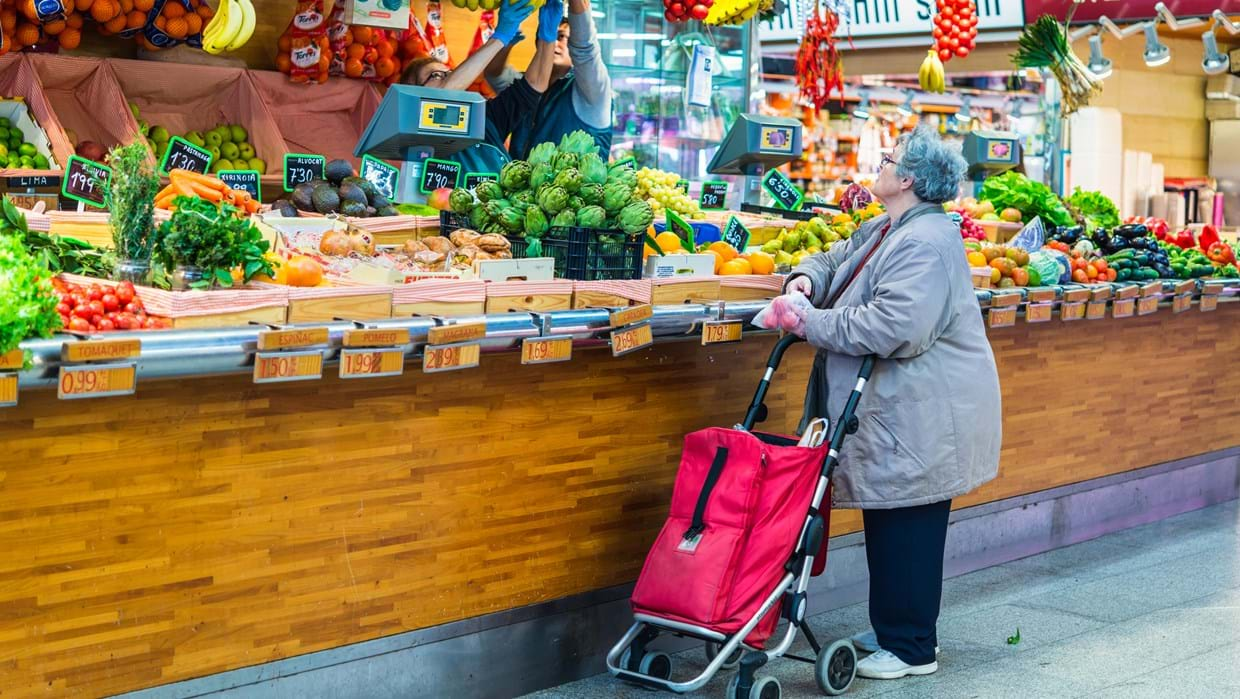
x,y
1029,197
27,301
1093,209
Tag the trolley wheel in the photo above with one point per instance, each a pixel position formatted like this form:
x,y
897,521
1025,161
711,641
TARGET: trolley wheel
x,y
656,664
763,688
712,649
836,667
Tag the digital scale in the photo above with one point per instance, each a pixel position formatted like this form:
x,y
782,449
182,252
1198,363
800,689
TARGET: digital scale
x,y
990,153
416,123
754,144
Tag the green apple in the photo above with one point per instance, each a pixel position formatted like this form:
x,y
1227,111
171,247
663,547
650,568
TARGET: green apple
x,y
133,108
229,150
212,139
258,164
247,151
195,138
239,134
160,135
221,164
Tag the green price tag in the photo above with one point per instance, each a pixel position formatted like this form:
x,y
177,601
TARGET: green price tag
x,y
681,227
713,195
736,234
300,168
683,186
86,181
630,163
183,155
437,174
786,194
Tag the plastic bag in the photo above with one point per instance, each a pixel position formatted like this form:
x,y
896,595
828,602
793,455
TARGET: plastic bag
x,y
1052,266
787,313
1031,237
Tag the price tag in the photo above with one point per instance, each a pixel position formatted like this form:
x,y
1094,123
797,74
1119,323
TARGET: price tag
x,y
1096,310
183,155
86,181
1186,287
451,357
302,167
717,331
96,380
546,350
683,186
247,180
681,228
457,332
13,359
1154,288
1101,292
1181,303
1123,307
1209,302
714,194
1002,317
785,193
32,181
1147,305
376,337
437,174
1038,312
630,163
631,315
1077,295
1127,291
276,367
473,179
8,390
292,338
99,350
1074,310
735,234
631,339
369,363
381,175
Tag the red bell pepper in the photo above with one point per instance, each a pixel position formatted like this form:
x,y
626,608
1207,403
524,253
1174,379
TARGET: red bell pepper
x,y
1208,237
1221,253
1184,239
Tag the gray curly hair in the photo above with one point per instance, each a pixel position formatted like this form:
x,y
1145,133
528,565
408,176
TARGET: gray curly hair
x,y
935,166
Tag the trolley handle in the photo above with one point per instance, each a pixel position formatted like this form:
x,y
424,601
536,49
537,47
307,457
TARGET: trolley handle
x,y
757,409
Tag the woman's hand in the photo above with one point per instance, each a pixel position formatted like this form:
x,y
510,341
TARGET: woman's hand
x,y
802,285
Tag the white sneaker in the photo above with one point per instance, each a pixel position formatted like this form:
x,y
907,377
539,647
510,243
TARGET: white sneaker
x,y
884,665
867,642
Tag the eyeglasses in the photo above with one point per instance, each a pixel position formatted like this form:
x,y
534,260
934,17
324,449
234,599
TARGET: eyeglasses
x,y
885,161
439,75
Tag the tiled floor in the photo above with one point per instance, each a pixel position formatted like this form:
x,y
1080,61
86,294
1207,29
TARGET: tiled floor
x,y
1147,612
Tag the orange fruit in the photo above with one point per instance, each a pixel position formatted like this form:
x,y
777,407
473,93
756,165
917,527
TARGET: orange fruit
x,y
353,67
83,5
724,249
361,34
371,55
204,10
355,51
761,263
303,271
27,34
135,19
143,5
116,24
126,6
54,28
74,20
29,11
976,259
325,62
738,266
385,67
669,242
102,11
70,38
161,23
284,64
177,27
195,23
173,9
386,49
8,19
718,258
285,43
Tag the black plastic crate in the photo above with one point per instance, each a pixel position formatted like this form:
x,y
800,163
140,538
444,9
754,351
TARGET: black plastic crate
x,y
449,221
581,254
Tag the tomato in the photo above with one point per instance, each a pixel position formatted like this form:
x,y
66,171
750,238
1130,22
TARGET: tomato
x,y
96,308
150,324
105,325
78,300
938,33
699,11
962,51
124,293
953,43
667,15
111,302
82,311
969,44
77,324
945,55
95,293
134,306
63,308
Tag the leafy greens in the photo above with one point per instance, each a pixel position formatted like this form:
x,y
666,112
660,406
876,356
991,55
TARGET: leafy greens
x,y
1029,197
1093,209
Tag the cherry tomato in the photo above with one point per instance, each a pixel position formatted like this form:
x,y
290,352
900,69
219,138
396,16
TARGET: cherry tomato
x,y
111,302
124,292
105,325
78,300
962,51
96,308
947,12
95,293
699,11
134,306
938,32
82,311
968,44
150,324
669,16
63,308
78,324
953,43
945,55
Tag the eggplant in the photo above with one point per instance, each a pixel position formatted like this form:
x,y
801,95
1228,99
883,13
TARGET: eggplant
x,y
1131,230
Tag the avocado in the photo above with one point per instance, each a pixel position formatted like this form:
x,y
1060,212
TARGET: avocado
x,y
326,200
371,211
336,170
379,201
302,196
353,208
351,192
367,186
284,207
388,211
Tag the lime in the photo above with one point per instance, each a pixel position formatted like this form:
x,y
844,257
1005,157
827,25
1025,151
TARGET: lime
x,y
28,149
229,150
4,135
221,164
13,161
239,134
27,162
258,164
15,141
5,122
40,162
4,152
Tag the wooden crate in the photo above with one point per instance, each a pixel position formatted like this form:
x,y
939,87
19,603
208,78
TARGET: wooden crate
x,y
675,291
362,306
274,315
530,302
439,308
595,299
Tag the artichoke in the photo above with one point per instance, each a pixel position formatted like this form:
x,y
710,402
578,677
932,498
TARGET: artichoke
x,y
514,176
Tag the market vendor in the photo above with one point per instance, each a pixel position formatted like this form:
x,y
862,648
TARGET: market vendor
x,y
930,420
506,111
579,98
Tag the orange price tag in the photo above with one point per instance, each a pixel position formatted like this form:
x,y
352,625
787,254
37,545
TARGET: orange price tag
x,y
274,367
631,339
1181,303
546,350
1147,305
1127,292
1002,317
460,332
1123,307
367,363
1101,292
13,359
1209,302
99,350
96,380
1154,288
376,337
8,390
292,338
629,316
450,357
1076,295
1096,310
1037,312
1072,311
715,331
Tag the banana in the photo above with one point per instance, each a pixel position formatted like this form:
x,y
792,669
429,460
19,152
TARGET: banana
x,y
223,28
247,25
930,75
472,5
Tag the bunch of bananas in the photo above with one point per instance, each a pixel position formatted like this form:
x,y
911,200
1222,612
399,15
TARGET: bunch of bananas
x,y
231,28
733,11
930,76
473,5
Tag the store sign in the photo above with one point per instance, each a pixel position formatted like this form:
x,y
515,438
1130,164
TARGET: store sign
x,y
33,181
717,331
473,179
1128,10
681,227
781,189
714,194
546,350
370,363
631,339
879,18
86,181
8,390
736,234
274,367
450,357
96,380
300,168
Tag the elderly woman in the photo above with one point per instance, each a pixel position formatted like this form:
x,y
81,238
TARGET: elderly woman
x,y
900,289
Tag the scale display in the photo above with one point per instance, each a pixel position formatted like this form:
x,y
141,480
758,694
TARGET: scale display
x,y
757,142
445,117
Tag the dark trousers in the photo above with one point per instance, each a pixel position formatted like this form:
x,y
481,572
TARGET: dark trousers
x,y
904,550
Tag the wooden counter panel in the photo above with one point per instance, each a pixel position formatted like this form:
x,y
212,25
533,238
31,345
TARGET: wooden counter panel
x,y
201,526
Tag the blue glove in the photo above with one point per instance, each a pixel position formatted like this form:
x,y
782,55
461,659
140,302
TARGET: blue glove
x,y
510,18
549,18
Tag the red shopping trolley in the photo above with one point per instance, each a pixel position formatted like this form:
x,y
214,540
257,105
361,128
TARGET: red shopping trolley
x,y
746,531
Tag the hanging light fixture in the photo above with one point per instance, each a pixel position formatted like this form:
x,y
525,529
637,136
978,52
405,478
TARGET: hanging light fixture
x,y
907,108
1156,52
1214,61
863,110
964,114
1098,64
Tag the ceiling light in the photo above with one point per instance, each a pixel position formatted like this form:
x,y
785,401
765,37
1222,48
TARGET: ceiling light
x,y
1213,62
1099,65
1156,52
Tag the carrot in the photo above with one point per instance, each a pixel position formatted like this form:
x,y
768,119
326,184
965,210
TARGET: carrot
x,y
168,191
164,202
183,187
251,206
206,180
208,193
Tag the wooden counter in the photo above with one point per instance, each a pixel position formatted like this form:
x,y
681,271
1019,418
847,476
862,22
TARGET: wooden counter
x,y
205,525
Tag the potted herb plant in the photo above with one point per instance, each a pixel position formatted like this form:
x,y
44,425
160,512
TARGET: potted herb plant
x,y
131,204
203,243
